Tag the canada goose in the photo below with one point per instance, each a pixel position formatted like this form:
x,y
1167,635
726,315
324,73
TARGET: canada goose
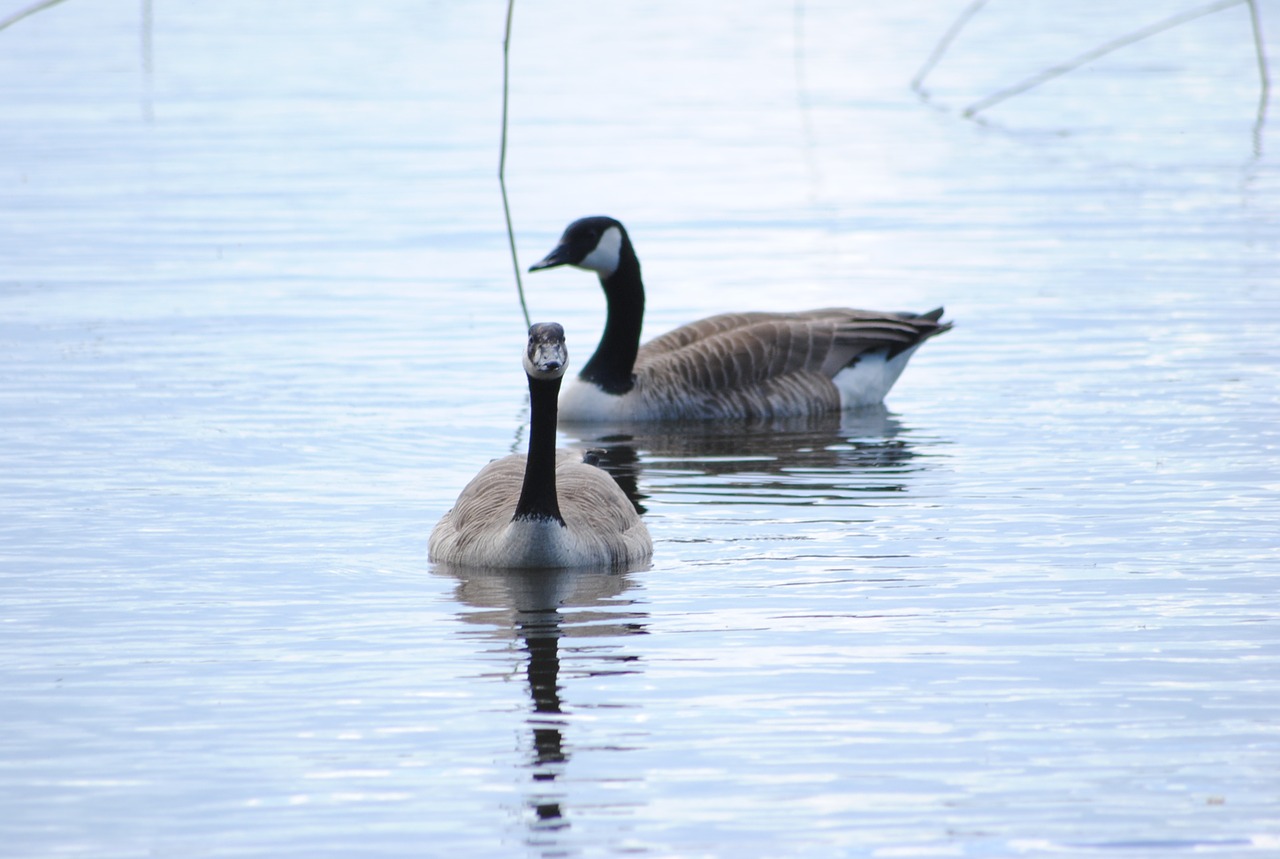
x,y
547,509
733,365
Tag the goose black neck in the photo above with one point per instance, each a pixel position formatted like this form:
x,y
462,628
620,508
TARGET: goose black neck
x,y
610,367
538,494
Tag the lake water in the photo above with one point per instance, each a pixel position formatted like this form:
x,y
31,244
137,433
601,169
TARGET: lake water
x,y
259,326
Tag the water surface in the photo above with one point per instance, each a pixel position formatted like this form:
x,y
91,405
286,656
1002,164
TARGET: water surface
x,y
259,329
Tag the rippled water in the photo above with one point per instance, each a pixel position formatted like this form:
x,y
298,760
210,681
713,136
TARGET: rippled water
x,y
258,328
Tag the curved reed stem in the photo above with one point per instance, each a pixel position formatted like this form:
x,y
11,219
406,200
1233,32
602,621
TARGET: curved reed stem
x,y
502,163
917,82
23,13
1114,45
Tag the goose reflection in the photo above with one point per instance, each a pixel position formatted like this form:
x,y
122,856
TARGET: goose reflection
x,y
570,624
806,460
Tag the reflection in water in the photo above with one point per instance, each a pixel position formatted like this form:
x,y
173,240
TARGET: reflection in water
x,y
539,609
804,105
1112,45
806,460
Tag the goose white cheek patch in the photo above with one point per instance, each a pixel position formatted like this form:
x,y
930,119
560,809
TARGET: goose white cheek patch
x,y
604,258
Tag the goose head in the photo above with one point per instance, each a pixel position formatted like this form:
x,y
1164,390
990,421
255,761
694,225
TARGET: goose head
x,y
546,356
593,243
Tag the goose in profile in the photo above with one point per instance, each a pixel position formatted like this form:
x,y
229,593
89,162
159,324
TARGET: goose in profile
x,y
734,365
546,509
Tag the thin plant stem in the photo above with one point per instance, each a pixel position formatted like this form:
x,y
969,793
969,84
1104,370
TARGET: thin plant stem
x,y
945,42
30,10
502,163
1256,20
1114,45
1264,95
804,104
146,28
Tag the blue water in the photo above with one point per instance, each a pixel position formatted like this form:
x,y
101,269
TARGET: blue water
x,y
258,327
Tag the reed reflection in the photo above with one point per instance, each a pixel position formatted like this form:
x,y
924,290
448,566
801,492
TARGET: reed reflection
x,y
787,460
569,625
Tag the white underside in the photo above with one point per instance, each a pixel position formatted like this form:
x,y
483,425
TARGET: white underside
x,y
866,383
547,543
583,401
523,543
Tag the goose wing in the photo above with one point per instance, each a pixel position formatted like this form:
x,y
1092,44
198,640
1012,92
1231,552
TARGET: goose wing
x,y
766,363
595,508
483,508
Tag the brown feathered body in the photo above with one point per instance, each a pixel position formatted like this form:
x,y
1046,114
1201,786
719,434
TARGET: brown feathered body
x,y
738,365
600,525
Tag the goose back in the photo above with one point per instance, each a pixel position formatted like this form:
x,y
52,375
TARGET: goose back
x,y
736,365
600,528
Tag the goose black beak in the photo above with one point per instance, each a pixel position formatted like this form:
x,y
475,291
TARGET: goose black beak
x,y
558,256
